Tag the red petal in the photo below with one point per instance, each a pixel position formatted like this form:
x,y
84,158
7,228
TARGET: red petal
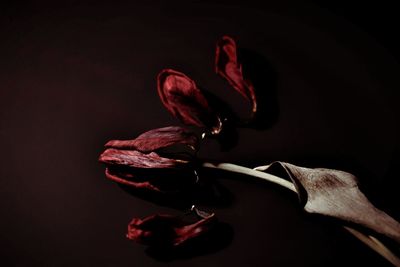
x,y
168,230
158,138
168,181
183,99
136,159
193,230
125,181
228,67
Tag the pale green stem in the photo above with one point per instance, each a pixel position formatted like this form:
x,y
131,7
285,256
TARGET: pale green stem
x,y
369,240
265,176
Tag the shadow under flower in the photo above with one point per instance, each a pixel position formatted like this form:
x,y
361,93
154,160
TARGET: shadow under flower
x,y
213,241
207,192
264,78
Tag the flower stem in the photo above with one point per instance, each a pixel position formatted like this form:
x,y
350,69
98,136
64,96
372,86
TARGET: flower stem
x,y
369,240
243,170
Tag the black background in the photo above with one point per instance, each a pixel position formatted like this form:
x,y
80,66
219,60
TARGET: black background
x,y
75,75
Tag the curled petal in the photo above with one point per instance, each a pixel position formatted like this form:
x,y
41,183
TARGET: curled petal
x,y
127,179
168,230
184,100
158,138
136,159
169,181
228,66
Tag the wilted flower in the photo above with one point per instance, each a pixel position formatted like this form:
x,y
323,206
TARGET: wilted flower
x,y
168,230
183,99
144,162
228,66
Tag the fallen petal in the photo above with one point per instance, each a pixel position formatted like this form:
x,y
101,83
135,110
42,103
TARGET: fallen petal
x,y
158,138
168,230
184,100
228,66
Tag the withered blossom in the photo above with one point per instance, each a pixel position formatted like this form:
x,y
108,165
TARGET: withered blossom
x,y
185,101
168,230
228,66
142,163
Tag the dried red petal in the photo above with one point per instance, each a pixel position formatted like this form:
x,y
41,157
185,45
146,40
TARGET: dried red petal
x,y
168,181
169,230
126,179
228,67
136,159
158,138
184,100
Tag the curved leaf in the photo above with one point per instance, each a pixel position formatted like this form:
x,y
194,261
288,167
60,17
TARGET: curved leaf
x,y
336,194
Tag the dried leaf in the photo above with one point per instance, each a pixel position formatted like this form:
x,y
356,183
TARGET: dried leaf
x,y
184,100
158,138
336,194
168,230
228,66
137,159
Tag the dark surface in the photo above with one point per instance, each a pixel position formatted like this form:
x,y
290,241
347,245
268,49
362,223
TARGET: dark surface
x,y
76,75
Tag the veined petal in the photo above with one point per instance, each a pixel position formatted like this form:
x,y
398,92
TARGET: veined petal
x,y
137,159
158,138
